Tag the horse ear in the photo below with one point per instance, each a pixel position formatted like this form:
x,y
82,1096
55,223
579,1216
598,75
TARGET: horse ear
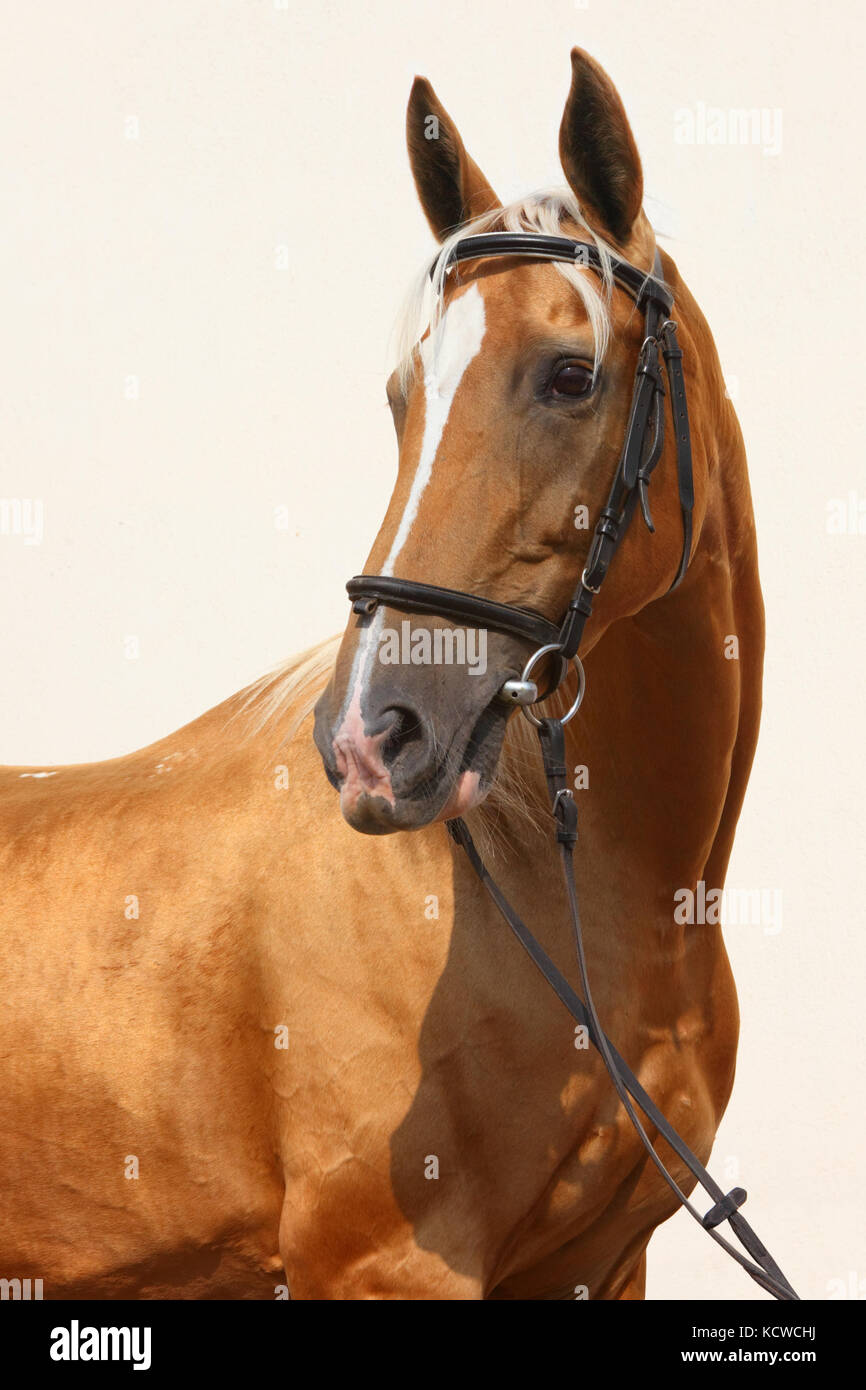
x,y
450,185
598,151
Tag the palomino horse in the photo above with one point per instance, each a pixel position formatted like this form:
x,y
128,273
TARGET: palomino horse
x,y
247,1047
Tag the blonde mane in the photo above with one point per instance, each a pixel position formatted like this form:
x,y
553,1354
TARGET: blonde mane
x,y
289,692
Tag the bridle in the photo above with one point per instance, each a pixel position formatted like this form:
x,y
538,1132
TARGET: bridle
x,y
641,451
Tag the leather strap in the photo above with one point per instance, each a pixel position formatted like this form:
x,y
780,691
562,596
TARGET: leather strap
x,y
367,591
762,1267
673,355
616,515
538,246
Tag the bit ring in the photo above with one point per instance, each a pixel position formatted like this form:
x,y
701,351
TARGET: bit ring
x,y
581,682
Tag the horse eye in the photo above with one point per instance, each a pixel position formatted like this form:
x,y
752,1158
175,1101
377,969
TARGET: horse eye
x,y
572,379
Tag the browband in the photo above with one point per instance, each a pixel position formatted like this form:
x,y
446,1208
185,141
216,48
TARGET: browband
x,y
639,283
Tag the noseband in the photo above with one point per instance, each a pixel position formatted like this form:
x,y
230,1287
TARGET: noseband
x,y
641,451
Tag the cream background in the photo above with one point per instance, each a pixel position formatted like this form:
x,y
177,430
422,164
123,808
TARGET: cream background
x,y
261,127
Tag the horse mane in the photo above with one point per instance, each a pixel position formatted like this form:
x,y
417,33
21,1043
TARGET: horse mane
x,y
547,211
289,692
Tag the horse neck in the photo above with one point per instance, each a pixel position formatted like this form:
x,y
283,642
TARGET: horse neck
x,y
660,750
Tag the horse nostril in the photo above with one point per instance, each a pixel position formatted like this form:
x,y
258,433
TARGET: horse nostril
x,y
405,731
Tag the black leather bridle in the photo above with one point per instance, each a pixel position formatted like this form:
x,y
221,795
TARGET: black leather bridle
x,y
641,451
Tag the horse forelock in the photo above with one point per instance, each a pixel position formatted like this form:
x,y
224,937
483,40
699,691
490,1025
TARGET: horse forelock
x,y
550,211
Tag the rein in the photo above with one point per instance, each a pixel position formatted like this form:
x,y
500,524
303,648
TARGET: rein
x,y
641,451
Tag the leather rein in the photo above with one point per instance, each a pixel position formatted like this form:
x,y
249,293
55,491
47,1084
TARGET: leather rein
x,y
641,451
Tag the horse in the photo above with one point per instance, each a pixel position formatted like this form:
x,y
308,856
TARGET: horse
x,y
264,1033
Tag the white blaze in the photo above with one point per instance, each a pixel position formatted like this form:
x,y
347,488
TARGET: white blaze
x,y
445,355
